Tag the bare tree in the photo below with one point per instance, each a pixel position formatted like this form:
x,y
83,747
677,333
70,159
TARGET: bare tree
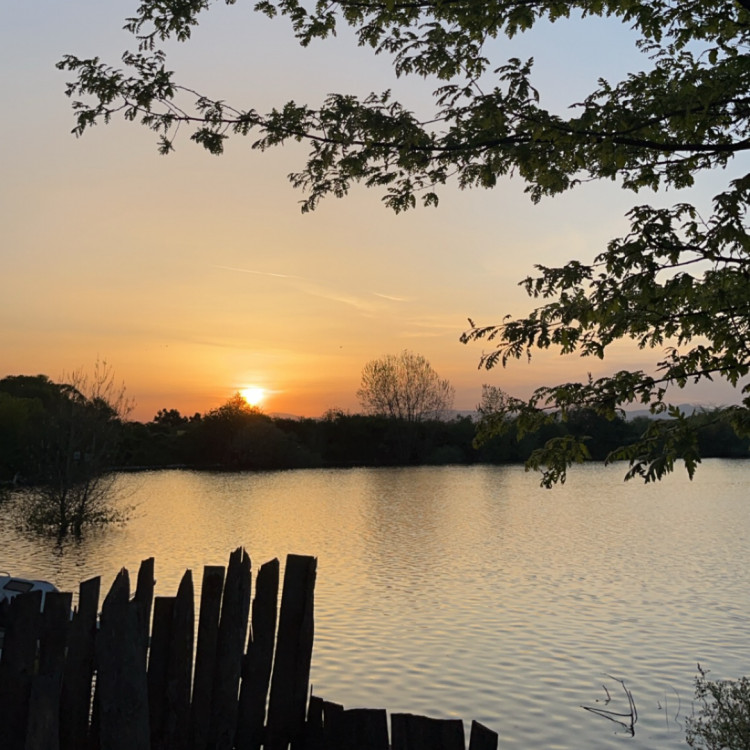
x,y
404,386
73,488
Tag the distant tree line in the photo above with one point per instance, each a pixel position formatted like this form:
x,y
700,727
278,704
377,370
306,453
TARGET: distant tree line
x,y
47,429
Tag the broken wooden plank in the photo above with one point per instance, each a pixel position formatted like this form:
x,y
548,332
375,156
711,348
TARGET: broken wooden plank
x,y
482,738
365,729
413,732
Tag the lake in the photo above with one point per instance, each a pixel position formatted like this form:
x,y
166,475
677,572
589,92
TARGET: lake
x,y
470,591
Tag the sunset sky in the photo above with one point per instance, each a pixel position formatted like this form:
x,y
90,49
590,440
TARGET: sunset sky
x,y
195,276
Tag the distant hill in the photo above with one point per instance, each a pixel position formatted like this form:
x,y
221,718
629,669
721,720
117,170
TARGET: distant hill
x,y
456,413
448,415
688,409
452,414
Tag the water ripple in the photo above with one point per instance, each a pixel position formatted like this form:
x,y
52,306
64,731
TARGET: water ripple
x,y
470,592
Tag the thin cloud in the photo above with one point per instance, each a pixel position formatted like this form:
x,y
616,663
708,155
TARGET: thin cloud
x,y
318,289
393,298
258,273
422,334
437,325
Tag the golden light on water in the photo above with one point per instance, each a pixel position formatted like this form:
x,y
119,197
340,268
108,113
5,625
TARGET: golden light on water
x,y
253,395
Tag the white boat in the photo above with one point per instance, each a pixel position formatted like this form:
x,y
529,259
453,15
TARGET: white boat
x,y
12,586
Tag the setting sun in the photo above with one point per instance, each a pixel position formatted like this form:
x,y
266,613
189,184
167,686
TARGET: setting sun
x,y
253,395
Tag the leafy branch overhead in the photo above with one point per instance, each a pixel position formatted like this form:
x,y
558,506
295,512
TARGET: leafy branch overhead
x,y
687,112
678,282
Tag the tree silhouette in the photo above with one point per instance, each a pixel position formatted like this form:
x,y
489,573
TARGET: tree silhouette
x,y
405,387
70,447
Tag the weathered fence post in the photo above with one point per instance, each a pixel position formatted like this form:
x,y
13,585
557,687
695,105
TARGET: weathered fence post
x,y
256,667
235,610
75,700
291,671
121,677
314,731
170,668
158,659
482,738
205,656
180,667
43,727
143,600
333,716
17,668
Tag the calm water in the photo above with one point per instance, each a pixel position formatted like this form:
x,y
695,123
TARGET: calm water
x,y
471,592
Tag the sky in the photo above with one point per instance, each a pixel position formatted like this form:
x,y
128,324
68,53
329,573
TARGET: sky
x,y
195,276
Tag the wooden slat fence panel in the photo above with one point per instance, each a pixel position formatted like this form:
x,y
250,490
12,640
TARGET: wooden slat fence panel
x,y
331,727
146,695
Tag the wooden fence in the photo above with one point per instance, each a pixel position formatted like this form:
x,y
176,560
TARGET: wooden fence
x,y
135,678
